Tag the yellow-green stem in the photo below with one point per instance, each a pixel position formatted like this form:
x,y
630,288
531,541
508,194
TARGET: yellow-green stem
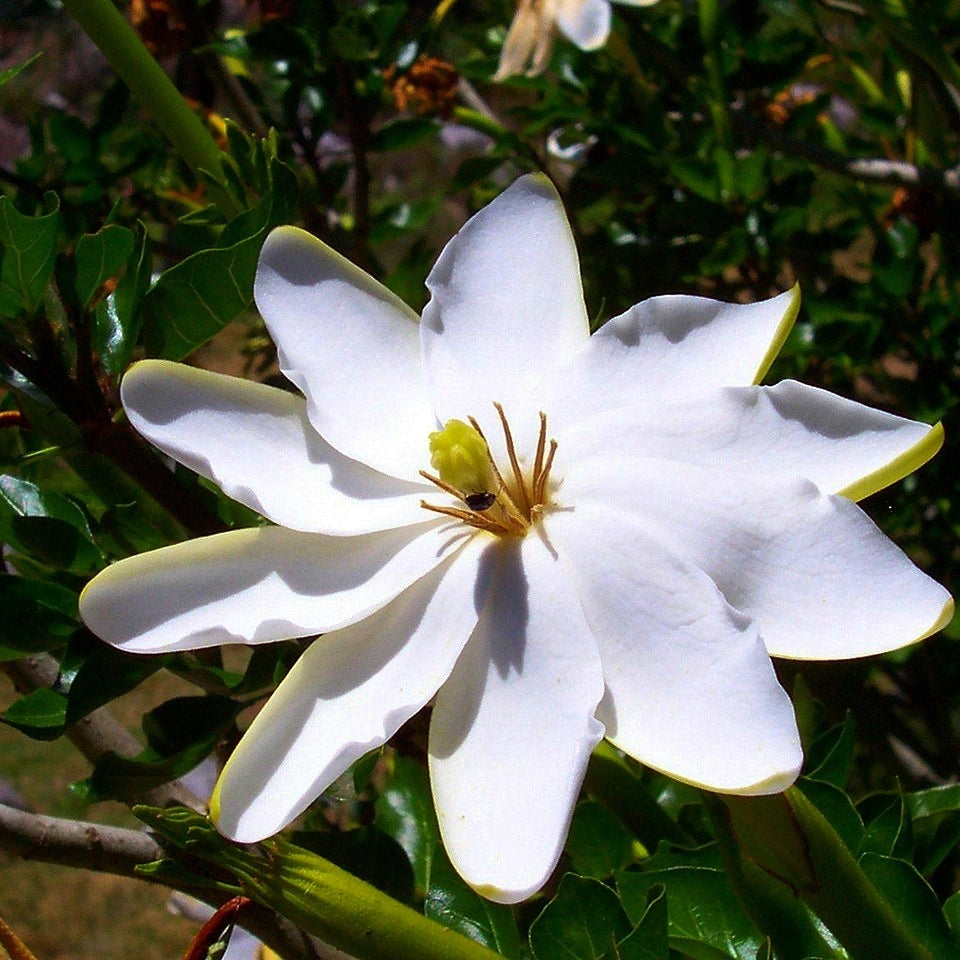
x,y
131,60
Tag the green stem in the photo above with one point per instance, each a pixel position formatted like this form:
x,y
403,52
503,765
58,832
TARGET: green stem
x,y
107,28
317,896
787,837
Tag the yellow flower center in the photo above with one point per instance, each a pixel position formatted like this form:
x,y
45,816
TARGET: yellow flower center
x,y
506,503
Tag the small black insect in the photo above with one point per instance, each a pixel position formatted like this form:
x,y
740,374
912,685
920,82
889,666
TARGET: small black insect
x,y
480,501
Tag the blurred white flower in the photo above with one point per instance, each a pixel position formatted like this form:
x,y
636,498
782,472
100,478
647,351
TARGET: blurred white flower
x,y
530,38
557,536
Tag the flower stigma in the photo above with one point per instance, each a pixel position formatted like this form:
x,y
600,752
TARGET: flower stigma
x,y
506,504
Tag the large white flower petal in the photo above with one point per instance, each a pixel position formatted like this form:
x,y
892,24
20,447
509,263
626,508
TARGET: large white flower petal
x,y
585,22
254,586
349,692
514,726
690,687
670,348
256,443
817,576
788,430
351,346
507,304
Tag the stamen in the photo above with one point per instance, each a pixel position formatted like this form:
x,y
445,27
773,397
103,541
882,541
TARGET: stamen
x,y
468,517
514,462
443,485
503,492
541,486
538,459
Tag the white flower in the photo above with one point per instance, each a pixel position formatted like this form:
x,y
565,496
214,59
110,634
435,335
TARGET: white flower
x,y
530,37
675,526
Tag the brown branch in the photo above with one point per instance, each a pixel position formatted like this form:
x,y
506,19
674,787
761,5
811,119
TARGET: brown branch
x,y
97,733
115,850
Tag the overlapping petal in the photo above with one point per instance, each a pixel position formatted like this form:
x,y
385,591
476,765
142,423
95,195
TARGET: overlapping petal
x,y
690,686
668,349
514,726
257,444
254,586
346,695
814,572
788,430
506,306
351,346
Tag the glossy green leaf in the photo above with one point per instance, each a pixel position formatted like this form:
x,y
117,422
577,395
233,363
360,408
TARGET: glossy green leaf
x,y
452,903
888,829
830,757
650,937
117,319
41,714
705,918
194,300
100,257
180,733
584,921
837,807
598,844
914,903
29,254
404,811
47,526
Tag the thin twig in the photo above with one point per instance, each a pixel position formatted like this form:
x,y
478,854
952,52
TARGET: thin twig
x,y
115,850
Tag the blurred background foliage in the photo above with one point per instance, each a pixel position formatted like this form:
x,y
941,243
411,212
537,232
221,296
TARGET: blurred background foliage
x,y
727,149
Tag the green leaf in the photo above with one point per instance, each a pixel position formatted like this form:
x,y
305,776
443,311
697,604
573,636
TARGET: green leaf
x,y
40,714
951,911
104,674
118,319
29,256
584,921
100,257
36,615
195,299
452,903
598,844
705,918
913,902
7,75
837,807
181,733
649,939
404,811
888,826
830,757
936,800
47,526
402,134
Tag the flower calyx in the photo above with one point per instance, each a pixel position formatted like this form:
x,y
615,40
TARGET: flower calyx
x,y
505,503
